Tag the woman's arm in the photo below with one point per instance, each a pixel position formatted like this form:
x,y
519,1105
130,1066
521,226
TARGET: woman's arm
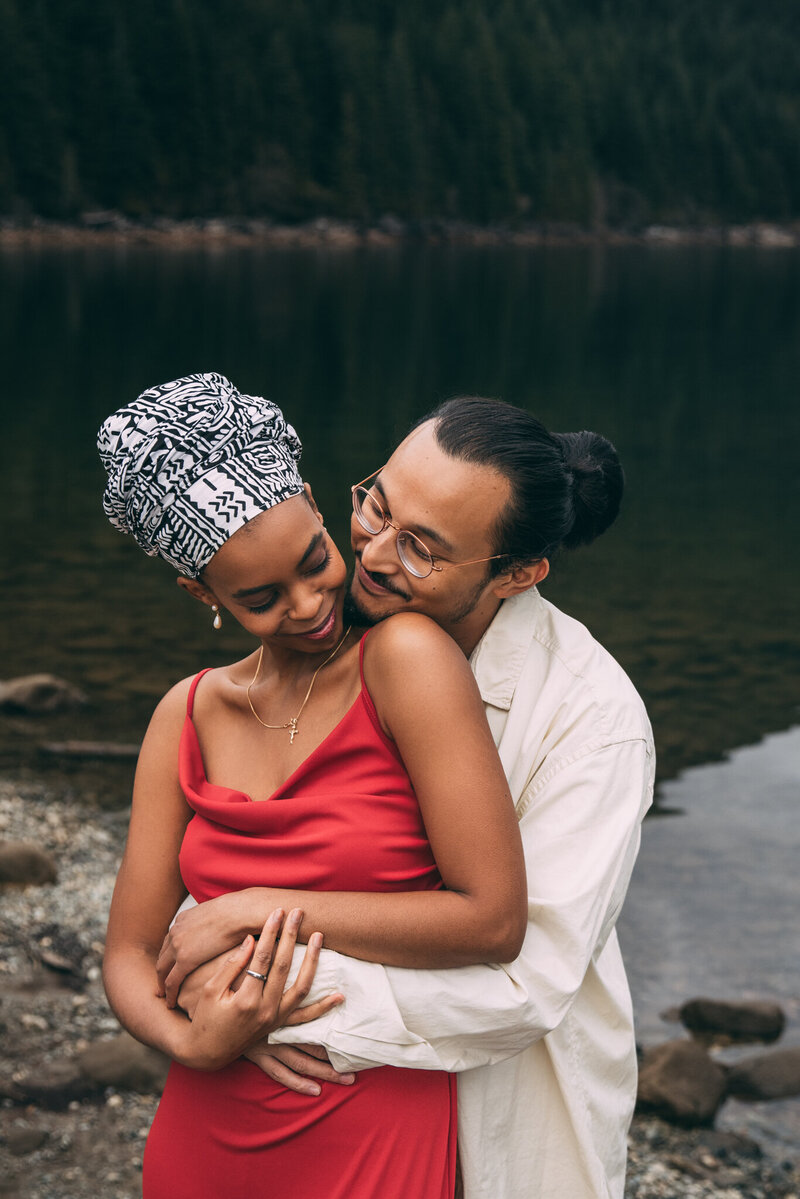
x,y
147,891
149,885
429,703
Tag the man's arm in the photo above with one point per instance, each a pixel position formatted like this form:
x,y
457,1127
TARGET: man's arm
x,y
580,827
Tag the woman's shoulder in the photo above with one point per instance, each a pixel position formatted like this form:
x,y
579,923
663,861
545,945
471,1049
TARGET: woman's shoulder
x,y
209,684
411,632
413,647
209,688
417,675
173,705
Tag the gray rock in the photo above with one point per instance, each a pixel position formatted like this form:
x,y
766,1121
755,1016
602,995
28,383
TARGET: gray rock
x,y
751,1020
105,219
36,694
22,1138
679,1082
728,1146
23,862
773,1075
53,1085
391,226
125,1064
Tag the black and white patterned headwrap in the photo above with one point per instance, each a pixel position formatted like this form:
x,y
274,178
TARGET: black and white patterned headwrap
x,y
190,462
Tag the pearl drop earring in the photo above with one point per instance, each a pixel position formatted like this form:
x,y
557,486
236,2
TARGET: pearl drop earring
x,y
217,622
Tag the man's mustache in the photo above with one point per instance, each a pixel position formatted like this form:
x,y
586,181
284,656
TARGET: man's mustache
x,y
382,580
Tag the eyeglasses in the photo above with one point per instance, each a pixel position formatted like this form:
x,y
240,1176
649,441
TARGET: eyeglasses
x,y
414,554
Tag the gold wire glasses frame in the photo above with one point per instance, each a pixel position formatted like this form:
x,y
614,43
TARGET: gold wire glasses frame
x,y
413,553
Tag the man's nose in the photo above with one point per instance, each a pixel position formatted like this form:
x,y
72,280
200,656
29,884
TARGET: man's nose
x,y
379,552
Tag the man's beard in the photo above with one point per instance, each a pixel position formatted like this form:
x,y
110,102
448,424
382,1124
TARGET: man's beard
x,y
469,603
354,614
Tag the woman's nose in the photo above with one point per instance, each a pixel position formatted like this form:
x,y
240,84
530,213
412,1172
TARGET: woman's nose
x,y
305,602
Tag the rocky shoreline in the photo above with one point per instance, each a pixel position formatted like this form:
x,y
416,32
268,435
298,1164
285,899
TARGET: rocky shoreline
x,y
77,1097
114,228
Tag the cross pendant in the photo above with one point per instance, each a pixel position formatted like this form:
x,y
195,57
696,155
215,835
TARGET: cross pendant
x,y
293,727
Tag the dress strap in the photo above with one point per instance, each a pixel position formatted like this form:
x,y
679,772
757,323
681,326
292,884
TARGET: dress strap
x,y
193,688
361,645
369,705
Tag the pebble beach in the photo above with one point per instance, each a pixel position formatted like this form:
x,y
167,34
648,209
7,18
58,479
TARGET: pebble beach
x,y
64,1134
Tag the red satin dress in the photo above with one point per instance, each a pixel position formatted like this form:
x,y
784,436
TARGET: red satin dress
x,y
345,820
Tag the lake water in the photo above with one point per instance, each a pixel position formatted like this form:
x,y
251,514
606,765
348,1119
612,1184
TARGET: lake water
x,y
712,909
687,358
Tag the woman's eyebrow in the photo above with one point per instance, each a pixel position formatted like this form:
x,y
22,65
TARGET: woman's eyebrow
x,y
431,534
312,545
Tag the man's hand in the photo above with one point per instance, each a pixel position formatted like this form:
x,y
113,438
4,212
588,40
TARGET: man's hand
x,y
296,1066
198,935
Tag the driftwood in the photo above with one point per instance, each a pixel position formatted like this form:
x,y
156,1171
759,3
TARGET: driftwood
x,y
90,749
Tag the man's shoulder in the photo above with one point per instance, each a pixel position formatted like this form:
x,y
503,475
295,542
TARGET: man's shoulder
x,y
590,668
550,660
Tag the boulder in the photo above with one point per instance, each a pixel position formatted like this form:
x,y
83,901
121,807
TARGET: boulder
x,y
773,1075
50,1085
125,1064
392,226
22,1138
679,1082
36,694
59,949
750,1020
23,862
729,1147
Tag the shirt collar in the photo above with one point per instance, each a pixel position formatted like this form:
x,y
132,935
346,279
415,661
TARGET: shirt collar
x,y
499,656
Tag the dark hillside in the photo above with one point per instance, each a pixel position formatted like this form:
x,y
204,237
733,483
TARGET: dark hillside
x,y
485,110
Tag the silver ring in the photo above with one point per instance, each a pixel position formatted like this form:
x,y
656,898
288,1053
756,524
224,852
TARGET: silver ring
x,y
255,974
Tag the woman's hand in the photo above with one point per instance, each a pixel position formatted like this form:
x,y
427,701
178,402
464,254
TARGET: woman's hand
x,y
201,933
192,989
225,1021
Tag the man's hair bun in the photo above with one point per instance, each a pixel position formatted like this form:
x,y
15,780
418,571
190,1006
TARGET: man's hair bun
x,y
566,488
598,482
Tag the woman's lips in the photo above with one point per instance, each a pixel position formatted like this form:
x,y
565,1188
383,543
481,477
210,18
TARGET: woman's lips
x,y
324,630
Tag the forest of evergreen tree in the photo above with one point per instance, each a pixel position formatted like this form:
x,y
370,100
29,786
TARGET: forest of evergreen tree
x,y
585,111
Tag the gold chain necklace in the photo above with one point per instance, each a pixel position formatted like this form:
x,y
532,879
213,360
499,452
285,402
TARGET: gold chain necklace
x,y
291,724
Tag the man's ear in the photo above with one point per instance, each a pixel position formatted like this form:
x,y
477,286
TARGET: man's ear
x,y
520,578
198,590
313,503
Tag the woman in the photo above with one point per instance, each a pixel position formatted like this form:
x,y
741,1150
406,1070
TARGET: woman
x,y
317,762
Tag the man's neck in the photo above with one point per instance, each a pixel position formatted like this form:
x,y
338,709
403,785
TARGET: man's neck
x,y
468,632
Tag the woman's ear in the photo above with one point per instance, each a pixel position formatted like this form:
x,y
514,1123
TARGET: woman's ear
x,y
313,503
520,578
198,590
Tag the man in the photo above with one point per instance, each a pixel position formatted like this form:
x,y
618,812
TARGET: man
x,y
460,524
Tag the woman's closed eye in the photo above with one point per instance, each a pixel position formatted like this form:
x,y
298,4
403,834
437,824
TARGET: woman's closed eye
x,y
318,569
269,600
267,604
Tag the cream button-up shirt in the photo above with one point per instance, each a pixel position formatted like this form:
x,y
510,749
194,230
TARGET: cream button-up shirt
x,y
544,1046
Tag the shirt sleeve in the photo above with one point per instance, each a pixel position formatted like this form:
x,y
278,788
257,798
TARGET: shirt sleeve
x,y
580,830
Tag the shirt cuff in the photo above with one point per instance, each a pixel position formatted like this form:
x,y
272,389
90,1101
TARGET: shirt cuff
x,y
326,982
365,1031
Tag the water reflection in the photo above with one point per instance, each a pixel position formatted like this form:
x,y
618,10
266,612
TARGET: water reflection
x,y
687,358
